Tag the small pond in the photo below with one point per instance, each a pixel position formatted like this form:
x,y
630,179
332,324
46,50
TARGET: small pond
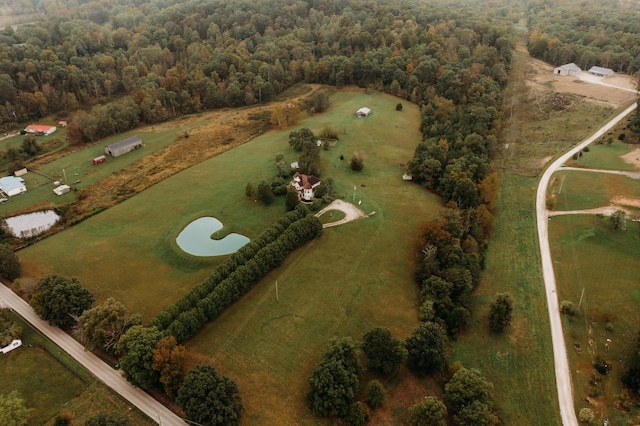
x,y
31,224
196,239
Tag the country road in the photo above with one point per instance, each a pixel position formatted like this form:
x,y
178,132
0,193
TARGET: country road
x,y
563,374
103,372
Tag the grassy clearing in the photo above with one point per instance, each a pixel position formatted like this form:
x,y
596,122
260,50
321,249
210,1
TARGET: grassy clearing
x,y
268,346
607,157
56,383
598,270
533,132
576,190
519,362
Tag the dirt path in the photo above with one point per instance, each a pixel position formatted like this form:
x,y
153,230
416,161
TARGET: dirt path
x,y
563,374
632,175
351,212
103,372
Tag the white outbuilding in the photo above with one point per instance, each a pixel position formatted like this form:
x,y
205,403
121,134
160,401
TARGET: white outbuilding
x,y
600,71
62,189
11,186
363,112
567,69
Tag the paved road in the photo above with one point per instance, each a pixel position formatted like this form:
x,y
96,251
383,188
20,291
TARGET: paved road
x,y
563,374
104,373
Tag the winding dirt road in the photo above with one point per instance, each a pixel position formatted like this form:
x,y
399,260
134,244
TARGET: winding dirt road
x,y
563,374
103,372
351,212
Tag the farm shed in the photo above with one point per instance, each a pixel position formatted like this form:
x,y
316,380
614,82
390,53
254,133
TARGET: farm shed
x,y
567,69
363,112
99,160
23,171
601,72
119,148
39,129
62,189
12,186
305,185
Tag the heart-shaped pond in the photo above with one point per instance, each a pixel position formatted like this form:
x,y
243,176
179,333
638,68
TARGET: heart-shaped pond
x,y
196,239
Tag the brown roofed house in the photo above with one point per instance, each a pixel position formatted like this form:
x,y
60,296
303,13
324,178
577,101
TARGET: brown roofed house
x,y
305,185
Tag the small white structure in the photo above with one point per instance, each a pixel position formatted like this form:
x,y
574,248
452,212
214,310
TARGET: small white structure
x,y
407,176
12,186
600,72
20,172
295,165
568,69
305,185
363,112
62,189
39,129
15,344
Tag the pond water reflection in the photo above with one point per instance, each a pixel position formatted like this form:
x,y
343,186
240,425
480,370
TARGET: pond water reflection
x,y
31,224
196,239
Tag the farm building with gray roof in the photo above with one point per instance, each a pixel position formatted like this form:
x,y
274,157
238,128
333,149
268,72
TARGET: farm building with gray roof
x,y
124,146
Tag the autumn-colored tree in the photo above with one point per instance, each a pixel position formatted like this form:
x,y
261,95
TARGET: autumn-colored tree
x,y
489,190
168,360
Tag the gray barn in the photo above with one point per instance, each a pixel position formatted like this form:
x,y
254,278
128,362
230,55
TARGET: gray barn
x,y
124,146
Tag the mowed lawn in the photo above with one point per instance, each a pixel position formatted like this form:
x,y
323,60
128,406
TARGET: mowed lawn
x,y
519,362
51,383
598,270
608,157
356,276
578,190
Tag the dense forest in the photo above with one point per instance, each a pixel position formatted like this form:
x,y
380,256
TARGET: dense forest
x,y
604,33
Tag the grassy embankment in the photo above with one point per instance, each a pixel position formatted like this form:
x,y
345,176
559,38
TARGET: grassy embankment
x,y
354,277
51,383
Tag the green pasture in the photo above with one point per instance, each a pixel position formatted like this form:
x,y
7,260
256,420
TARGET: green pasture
x,y
578,190
520,361
607,157
598,270
79,170
51,383
356,276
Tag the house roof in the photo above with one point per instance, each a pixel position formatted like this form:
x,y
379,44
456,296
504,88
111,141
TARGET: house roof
x,y
38,128
306,182
9,183
600,70
125,142
570,67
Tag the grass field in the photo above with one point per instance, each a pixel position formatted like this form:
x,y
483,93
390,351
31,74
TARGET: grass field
x,y
332,286
520,361
56,384
577,190
78,167
607,157
598,270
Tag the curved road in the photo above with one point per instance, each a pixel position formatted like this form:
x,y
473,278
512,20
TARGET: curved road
x,y
103,372
563,374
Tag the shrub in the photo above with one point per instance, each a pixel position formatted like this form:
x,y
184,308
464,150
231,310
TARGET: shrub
x,y
586,415
567,307
376,394
356,163
399,107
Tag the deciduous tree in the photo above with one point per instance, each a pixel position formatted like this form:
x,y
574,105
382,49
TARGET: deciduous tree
x,y
465,387
10,266
13,411
136,355
427,353
209,398
103,325
60,300
168,360
108,419
500,312
386,354
429,412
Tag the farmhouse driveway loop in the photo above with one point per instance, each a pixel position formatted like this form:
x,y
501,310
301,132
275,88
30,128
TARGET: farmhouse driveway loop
x,y
351,212
103,372
563,374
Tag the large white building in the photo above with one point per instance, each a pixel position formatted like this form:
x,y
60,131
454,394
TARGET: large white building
x,y
11,186
567,69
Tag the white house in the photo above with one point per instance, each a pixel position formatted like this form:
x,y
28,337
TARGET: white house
x,y
600,72
12,186
39,129
305,185
363,112
567,69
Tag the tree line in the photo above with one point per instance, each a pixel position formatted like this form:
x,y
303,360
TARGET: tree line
x,y
604,33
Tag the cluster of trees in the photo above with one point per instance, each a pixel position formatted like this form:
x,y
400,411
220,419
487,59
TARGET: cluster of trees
x,y
60,300
335,382
9,330
305,143
158,59
604,33
10,266
236,275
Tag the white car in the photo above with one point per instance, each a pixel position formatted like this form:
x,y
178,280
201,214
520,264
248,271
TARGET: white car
x,y
3,200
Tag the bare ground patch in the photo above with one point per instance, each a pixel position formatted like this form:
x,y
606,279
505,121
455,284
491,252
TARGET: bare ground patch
x,y
626,201
632,157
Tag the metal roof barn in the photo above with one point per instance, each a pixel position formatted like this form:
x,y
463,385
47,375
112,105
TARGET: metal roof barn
x,y
119,148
